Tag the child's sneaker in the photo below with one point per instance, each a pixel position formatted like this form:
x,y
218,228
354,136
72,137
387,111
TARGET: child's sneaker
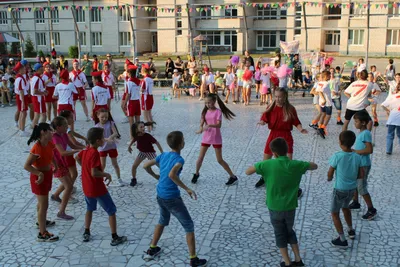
x,y
314,126
133,182
376,124
354,205
118,240
86,237
352,234
370,215
260,182
232,180
151,253
47,237
196,262
122,182
321,132
56,199
195,178
48,223
298,263
64,216
339,122
339,243
299,193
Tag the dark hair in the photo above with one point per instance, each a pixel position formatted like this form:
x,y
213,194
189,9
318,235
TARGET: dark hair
x,y
397,74
174,139
279,146
391,61
347,138
136,124
362,116
364,75
325,75
66,113
228,114
37,130
103,110
95,134
307,72
58,121
132,72
337,68
373,66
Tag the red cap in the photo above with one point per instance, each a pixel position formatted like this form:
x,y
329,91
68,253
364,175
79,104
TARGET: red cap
x,y
64,74
128,62
75,61
17,67
106,63
132,67
146,66
45,64
96,73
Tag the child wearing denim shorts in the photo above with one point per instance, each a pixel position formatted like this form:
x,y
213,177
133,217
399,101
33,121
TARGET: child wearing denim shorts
x,y
282,178
346,166
169,197
94,187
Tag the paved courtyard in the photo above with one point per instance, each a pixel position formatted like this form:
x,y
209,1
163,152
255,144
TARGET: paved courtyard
x,y
231,223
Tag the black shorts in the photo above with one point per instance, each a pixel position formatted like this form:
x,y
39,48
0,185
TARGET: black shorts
x,y
258,82
350,113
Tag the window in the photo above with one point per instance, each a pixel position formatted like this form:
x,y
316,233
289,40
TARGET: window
x,y
54,16
41,38
97,39
332,38
270,39
356,11
394,12
225,38
393,37
230,38
15,35
231,12
356,37
82,38
214,37
56,38
125,39
95,15
206,13
266,13
297,21
39,16
17,16
3,18
335,12
80,15
123,14
153,14
179,20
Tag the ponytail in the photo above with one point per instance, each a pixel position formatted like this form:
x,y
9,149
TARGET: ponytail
x,y
37,131
228,114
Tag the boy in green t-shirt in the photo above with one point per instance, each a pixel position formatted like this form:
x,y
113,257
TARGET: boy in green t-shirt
x,y
282,179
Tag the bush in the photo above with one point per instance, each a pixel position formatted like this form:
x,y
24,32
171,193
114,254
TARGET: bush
x,y
40,54
29,48
15,48
73,51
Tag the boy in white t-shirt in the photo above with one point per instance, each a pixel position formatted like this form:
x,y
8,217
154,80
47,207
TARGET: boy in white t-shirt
x,y
325,102
229,79
392,108
176,79
358,93
376,91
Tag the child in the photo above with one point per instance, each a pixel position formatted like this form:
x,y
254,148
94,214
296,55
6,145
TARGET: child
x,y
101,97
282,177
78,78
229,78
307,82
316,100
207,82
94,188
110,147
144,143
363,147
265,89
64,93
325,102
176,79
336,93
346,166
211,116
239,87
219,82
38,92
147,99
353,74
50,80
125,78
132,100
63,149
247,83
280,116
5,92
21,91
39,164
257,78
391,106
195,83
108,79
186,81
376,91
169,199
390,71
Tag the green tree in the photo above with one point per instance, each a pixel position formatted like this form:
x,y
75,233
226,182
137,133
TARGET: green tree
x,y
73,51
29,48
15,48
3,48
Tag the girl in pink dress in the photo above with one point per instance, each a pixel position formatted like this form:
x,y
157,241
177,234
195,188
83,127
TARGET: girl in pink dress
x,y
210,126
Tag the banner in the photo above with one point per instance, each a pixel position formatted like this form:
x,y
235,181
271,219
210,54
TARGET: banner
x,y
289,47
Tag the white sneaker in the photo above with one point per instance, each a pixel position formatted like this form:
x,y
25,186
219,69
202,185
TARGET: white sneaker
x,y
16,125
115,184
48,122
73,200
24,134
3,106
122,182
200,98
125,120
10,105
87,119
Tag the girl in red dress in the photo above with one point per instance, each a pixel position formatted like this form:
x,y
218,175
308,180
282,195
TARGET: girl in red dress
x,y
280,116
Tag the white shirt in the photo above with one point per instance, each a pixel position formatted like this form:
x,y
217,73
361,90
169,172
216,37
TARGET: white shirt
x,y
175,79
229,78
323,87
375,89
100,95
21,84
334,88
133,89
110,79
79,80
64,93
207,79
53,79
358,91
361,67
37,82
147,86
7,76
283,82
266,80
393,104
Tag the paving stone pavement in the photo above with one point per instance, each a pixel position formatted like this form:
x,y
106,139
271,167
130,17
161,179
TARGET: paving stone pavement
x,y
231,223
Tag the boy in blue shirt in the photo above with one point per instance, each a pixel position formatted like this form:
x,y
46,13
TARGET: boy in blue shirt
x,y
346,166
363,147
169,197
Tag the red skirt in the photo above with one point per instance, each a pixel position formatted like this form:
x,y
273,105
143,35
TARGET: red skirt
x,y
19,103
44,188
148,103
38,107
110,89
133,108
62,107
287,135
49,97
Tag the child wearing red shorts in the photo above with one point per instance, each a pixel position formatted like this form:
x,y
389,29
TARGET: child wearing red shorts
x,y
101,97
108,79
280,116
50,80
78,78
125,78
39,164
147,99
64,93
38,92
21,88
132,100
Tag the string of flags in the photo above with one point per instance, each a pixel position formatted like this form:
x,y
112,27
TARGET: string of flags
x,y
210,7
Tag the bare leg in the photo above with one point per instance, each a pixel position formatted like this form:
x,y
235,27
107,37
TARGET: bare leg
x,y
337,222
347,218
85,109
222,162
157,235
345,125
54,104
42,206
67,183
88,219
191,242
296,252
42,117
22,120
112,220
114,162
199,162
35,120
285,256
48,106
135,165
31,112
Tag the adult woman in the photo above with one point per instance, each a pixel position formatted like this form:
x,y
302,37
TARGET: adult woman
x,y
169,67
192,65
178,64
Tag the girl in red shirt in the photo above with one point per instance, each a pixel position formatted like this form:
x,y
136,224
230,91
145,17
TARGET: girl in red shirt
x,y
280,116
144,143
39,163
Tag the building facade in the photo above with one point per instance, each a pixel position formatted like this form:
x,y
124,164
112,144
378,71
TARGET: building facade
x,y
231,29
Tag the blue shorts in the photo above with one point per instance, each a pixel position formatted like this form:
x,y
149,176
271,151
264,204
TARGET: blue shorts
x,y
105,202
327,110
178,209
341,199
338,103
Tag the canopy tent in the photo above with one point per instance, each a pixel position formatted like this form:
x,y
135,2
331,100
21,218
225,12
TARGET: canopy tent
x,y
202,38
6,38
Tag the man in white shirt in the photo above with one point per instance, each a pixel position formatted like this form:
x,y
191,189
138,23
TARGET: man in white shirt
x,y
78,78
358,93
